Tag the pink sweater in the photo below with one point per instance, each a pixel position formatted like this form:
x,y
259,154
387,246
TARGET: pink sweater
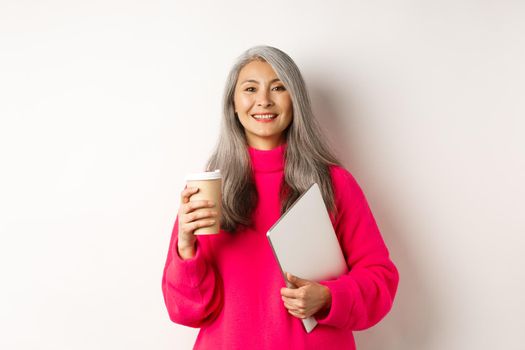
x,y
231,288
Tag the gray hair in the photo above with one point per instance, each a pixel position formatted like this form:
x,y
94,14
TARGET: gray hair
x,y
307,155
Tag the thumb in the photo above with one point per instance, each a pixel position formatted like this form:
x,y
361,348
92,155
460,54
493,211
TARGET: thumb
x,y
299,282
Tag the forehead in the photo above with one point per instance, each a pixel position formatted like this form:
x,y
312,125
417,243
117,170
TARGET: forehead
x,y
257,70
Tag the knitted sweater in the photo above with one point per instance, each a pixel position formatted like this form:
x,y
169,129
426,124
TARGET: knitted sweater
x,y
231,288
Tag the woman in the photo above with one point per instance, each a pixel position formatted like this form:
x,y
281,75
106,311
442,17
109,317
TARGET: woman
x,y
270,150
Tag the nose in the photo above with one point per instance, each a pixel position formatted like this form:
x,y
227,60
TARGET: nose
x,y
263,99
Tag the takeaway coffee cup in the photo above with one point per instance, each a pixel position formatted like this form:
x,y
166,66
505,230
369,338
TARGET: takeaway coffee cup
x,y
209,184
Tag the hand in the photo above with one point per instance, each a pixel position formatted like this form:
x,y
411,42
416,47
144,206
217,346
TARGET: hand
x,y
191,219
307,299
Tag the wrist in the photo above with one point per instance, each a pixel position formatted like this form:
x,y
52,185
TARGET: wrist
x,y
186,250
325,309
328,299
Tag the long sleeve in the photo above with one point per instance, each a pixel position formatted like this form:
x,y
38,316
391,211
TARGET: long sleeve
x,y
192,288
364,295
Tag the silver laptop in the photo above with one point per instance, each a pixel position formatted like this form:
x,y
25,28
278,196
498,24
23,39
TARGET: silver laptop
x,y
305,244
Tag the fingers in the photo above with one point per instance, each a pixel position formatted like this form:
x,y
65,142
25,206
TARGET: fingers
x,y
290,306
192,226
294,301
292,293
296,312
191,206
187,193
297,307
296,281
290,277
294,304
196,215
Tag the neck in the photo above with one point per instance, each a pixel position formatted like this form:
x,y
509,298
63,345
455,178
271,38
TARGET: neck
x,y
264,144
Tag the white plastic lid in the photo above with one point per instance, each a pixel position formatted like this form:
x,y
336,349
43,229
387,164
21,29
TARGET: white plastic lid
x,y
207,175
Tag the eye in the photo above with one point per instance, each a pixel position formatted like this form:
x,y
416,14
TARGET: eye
x,y
250,89
280,88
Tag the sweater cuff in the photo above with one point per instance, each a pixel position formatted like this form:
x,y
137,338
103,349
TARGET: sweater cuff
x,y
341,307
189,272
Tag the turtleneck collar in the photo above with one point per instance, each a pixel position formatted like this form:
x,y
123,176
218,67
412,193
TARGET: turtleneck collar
x,y
267,160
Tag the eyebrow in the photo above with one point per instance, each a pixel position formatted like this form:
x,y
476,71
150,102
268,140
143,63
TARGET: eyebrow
x,y
256,82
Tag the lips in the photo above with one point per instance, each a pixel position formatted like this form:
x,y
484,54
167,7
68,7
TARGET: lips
x,y
264,117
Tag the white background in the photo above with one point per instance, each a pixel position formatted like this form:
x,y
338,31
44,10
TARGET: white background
x,y
105,105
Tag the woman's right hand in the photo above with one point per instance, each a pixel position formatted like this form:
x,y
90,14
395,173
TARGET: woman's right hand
x,y
190,220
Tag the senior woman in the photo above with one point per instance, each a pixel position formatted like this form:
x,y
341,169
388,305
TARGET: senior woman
x,y
270,151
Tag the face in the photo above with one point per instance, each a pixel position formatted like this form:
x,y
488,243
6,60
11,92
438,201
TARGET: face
x,y
263,105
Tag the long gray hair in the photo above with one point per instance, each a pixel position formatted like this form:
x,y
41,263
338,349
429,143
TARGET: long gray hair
x,y
307,155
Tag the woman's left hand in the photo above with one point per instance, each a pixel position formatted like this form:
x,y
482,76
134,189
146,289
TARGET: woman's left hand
x,y
307,299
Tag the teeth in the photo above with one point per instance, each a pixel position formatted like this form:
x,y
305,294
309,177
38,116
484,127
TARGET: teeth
x,y
264,116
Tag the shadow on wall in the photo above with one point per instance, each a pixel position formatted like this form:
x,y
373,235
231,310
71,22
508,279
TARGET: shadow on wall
x,y
414,318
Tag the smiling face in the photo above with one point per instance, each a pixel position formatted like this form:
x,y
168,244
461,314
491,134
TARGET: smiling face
x,y
263,105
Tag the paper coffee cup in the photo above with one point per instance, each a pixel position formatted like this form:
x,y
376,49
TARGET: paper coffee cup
x,y
210,185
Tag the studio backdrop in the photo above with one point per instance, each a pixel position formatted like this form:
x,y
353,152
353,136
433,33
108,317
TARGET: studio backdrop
x,y
106,105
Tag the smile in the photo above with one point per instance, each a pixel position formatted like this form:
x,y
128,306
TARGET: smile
x,y
264,117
